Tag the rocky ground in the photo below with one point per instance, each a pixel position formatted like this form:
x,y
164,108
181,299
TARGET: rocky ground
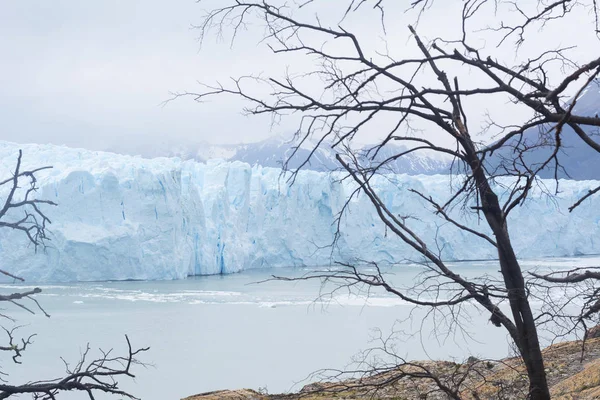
x,y
573,374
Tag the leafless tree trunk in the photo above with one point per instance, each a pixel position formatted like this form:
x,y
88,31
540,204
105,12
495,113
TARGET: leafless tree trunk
x,y
359,85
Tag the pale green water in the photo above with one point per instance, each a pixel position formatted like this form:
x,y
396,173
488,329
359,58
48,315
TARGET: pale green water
x,y
218,332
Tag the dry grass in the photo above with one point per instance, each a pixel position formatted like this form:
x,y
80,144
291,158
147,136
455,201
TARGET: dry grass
x,y
570,378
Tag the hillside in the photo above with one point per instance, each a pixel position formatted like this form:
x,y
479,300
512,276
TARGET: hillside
x,y
570,376
274,151
577,160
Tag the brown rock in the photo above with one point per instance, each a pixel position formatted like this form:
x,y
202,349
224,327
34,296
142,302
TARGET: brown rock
x,y
572,375
593,332
244,394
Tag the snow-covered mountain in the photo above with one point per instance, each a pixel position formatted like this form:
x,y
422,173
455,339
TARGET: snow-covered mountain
x,y
126,217
274,151
588,102
578,160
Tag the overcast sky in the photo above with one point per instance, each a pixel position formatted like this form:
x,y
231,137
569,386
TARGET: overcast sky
x,y
94,74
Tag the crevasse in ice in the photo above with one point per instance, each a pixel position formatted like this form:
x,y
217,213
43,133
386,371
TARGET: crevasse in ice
x,y
125,217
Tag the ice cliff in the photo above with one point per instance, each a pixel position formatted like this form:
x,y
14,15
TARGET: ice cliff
x,y
124,217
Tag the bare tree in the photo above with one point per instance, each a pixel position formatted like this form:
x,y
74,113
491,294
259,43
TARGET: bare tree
x,y
570,298
353,88
23,211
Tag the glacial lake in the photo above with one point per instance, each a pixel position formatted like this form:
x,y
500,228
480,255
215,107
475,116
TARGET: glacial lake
x,y
227,332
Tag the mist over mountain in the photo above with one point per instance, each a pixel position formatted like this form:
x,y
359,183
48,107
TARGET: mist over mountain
x,y
279,150
577,160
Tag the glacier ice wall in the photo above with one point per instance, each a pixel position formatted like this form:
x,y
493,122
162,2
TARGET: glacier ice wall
x,y
124,217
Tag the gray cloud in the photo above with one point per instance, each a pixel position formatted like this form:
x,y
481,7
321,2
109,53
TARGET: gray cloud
x,y
94,73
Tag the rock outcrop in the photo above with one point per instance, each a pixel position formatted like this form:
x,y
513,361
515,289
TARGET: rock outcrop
x,y
573,374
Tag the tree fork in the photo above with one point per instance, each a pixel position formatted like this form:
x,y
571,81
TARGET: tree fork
x,y
527,339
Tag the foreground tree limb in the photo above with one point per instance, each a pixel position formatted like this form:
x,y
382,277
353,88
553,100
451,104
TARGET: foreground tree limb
x,y
358,88
87,376
22,211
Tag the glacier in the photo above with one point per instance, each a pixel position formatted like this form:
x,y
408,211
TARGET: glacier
x,y
126,217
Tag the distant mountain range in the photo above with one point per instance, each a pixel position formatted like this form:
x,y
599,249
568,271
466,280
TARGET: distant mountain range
x,y
273,151
578,160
